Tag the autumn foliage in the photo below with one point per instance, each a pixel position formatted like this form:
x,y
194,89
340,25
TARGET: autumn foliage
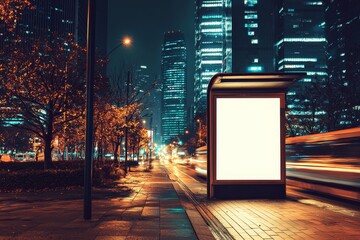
x,y
42,92
11,11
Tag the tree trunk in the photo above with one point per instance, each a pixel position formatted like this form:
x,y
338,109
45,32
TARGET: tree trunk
x,y
116,153
48,137
101,151
47,152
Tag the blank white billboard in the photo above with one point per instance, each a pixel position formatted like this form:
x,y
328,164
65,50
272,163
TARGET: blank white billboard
x,y
248,139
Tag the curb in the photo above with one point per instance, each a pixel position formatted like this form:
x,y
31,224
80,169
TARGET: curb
x,y
205,224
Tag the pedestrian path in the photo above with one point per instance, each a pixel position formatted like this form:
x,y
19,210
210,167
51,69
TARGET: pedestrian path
x,y
144,206
290,218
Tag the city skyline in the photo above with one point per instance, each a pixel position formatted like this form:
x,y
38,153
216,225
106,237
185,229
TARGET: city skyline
x,y
240,36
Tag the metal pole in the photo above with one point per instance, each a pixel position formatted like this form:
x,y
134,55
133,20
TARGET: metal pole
x,y
90,66
126,119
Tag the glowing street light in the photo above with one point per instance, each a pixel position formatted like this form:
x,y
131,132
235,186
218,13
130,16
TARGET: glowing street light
x,y
126,41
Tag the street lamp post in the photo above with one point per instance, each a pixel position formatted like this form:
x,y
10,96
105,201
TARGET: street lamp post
x,y
126,120
90,67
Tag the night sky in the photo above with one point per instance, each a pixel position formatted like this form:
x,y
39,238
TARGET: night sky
x,y
145,22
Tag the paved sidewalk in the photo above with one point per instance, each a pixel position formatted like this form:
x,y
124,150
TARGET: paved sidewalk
x,y
291,218
145,205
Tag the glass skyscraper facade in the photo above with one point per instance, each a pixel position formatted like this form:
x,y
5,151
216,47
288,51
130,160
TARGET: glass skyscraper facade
x,y
301,47
231,36
173,74
250,46
343,60
209,44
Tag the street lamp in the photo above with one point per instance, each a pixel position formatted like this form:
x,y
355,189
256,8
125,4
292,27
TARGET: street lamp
x,y
126,42
199,122
90,75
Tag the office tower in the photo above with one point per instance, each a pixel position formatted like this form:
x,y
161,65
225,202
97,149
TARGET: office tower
x,y
227,27
343,60
156,112
209,38
147,90
173,74
249,36
300,47
141,80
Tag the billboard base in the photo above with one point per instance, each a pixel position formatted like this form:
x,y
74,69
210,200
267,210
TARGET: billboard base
x,y
258,191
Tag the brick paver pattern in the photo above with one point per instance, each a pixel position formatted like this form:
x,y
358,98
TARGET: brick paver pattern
x,y
275,219
148,208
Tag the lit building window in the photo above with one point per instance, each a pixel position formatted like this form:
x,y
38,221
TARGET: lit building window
x,y
207,5
294,66
210,23
251,16
255,69
216,30
211,62
251,25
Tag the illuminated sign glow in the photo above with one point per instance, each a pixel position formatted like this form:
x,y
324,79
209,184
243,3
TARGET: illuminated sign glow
x,y
248,142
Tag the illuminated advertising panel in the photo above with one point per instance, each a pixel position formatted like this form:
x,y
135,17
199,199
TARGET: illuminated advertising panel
x,y
246,135
248,139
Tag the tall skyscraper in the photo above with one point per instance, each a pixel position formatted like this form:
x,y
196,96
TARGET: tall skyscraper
x,y
173,74
343,60
156,112
147,89
209,44
300,47
250,46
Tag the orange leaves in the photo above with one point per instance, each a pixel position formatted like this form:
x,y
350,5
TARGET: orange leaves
x,y
11,11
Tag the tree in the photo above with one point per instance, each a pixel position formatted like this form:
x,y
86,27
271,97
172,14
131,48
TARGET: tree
x,y
11,11
201,128
44,85
138,136
313,100
126,92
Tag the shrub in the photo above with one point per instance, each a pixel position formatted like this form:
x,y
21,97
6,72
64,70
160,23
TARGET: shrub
x,y
40,179
31,176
